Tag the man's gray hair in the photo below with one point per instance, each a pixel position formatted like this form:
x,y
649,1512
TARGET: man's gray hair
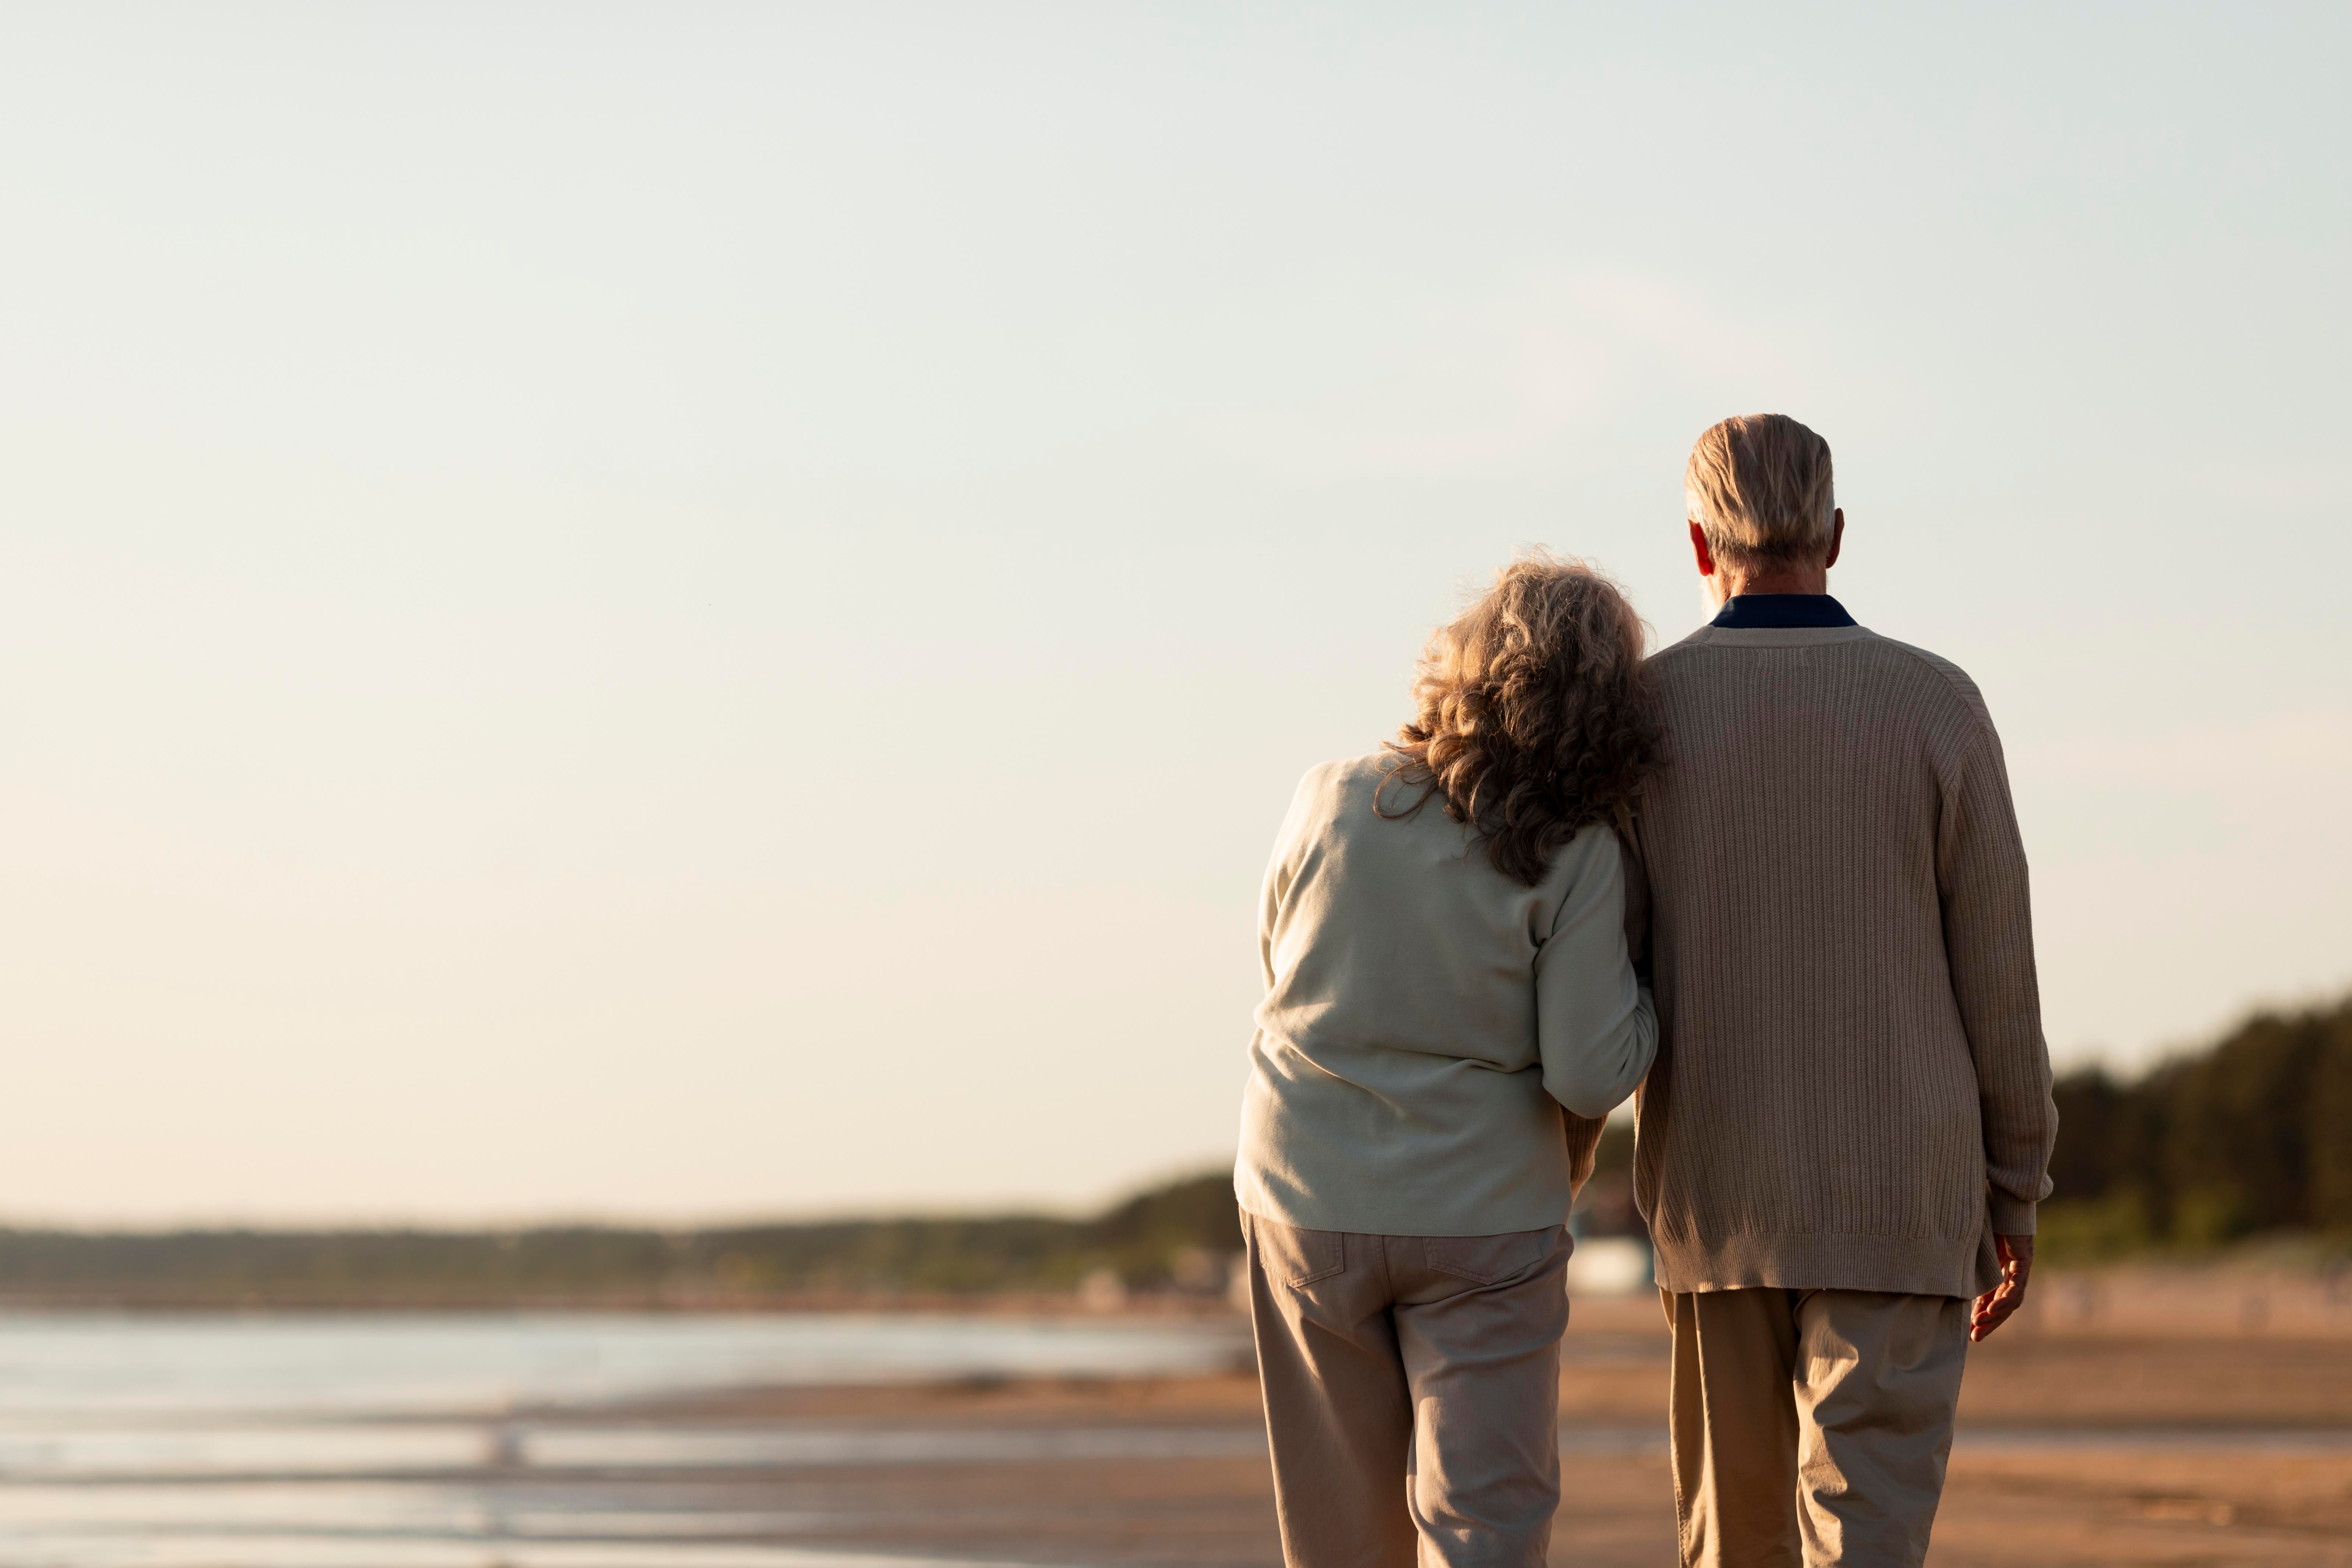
x,y
1759,486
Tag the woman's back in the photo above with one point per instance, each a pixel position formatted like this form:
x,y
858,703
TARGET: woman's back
x,y
1427,1016
1443,938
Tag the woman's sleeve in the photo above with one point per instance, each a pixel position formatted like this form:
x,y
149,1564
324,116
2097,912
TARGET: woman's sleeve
x,y
1596,1026
1280,867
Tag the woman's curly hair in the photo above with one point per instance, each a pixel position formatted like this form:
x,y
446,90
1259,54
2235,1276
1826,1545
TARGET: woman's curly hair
x,y
1538,714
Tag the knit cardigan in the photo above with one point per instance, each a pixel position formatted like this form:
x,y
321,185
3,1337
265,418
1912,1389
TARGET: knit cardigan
x,y
1851,1089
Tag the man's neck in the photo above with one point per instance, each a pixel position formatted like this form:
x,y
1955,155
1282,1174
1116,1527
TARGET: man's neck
x,y
1774,580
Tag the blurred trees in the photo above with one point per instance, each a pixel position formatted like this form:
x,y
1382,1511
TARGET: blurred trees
x,y
1179,1237
2251,1135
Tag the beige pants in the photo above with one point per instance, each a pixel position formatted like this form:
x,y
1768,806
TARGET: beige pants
x,y
1411,1393
1811,1426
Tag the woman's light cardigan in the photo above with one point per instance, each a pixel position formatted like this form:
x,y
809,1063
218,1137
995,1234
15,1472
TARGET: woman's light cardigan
x,y
1437,1041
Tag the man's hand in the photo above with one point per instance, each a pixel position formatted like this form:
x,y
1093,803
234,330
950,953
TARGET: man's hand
x,y
1994,1307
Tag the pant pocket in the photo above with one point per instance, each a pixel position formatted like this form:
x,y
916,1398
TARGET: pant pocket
x,y
1484,1259
1296,1257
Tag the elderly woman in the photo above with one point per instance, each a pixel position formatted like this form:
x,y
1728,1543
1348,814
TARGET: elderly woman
x,y
1450,1008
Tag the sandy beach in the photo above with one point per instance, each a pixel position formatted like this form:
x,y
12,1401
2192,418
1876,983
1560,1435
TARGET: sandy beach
x,y
2137,1417
2081,1443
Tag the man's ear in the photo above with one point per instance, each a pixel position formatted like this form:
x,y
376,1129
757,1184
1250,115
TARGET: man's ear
x,y
1706,557
1837,536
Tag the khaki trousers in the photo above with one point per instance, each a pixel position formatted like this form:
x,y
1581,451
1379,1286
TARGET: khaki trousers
x,y
1811,1426
1411,1393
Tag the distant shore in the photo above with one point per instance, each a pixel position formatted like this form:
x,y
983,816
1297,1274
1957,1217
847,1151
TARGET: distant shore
x,y
1155,1250
2228,1299
681,1300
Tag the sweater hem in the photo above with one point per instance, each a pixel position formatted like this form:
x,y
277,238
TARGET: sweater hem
x,y
1895,1265
1259,1204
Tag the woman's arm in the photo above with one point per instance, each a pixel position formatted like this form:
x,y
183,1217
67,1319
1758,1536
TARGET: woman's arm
x,y
1596,1026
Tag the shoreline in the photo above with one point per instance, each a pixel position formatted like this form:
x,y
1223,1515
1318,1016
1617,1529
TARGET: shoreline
x,y
1141,1306
2075,1447
2165,1299
2085,1449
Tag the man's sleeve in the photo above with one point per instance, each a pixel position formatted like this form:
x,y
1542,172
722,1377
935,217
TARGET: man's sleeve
x,y
1637,894
1988,943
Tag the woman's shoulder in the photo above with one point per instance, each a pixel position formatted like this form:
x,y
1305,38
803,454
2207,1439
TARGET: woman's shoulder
x,y
1348,795
1595,849
1363,776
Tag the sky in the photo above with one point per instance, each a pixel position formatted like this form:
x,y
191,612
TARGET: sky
x,y
691,612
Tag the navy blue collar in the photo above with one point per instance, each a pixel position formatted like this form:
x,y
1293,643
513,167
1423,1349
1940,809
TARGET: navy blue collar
x,y
1745,611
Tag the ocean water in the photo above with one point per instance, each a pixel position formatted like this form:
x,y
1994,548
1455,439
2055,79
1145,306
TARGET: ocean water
x,y
420,1441
509,1442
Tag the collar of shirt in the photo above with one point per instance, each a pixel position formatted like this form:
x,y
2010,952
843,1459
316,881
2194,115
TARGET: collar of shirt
x,y
1745,611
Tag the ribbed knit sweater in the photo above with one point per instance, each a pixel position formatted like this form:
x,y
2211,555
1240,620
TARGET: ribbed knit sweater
x,y
1852,1090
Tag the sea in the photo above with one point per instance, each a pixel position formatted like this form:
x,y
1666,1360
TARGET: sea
x,y
543,1441
409,1441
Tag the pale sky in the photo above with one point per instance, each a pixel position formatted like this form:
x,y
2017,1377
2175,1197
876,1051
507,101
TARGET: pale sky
x,y
704,610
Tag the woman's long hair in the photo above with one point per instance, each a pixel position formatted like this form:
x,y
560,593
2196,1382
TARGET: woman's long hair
x,y
1536,714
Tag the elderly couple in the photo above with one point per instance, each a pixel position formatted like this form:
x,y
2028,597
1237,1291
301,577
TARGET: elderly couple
x,y
1768,880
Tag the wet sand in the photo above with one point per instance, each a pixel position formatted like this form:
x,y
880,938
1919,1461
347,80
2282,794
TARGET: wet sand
x,y
2125,1424
2079,1444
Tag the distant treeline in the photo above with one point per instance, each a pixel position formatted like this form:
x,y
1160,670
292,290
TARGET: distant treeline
x,y
2252,1135
1175,1239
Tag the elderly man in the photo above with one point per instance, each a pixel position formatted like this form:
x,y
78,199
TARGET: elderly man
x,y
1848,1126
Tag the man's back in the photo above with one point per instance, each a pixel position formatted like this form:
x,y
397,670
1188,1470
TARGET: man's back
x,y
1850,1035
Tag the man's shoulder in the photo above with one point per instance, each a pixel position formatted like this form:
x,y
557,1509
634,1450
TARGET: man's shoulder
x,y
1950,677
1931,677
1667,657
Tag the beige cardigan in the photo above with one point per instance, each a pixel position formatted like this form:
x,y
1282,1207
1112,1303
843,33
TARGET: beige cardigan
x,y
1426,1019
1851,1089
